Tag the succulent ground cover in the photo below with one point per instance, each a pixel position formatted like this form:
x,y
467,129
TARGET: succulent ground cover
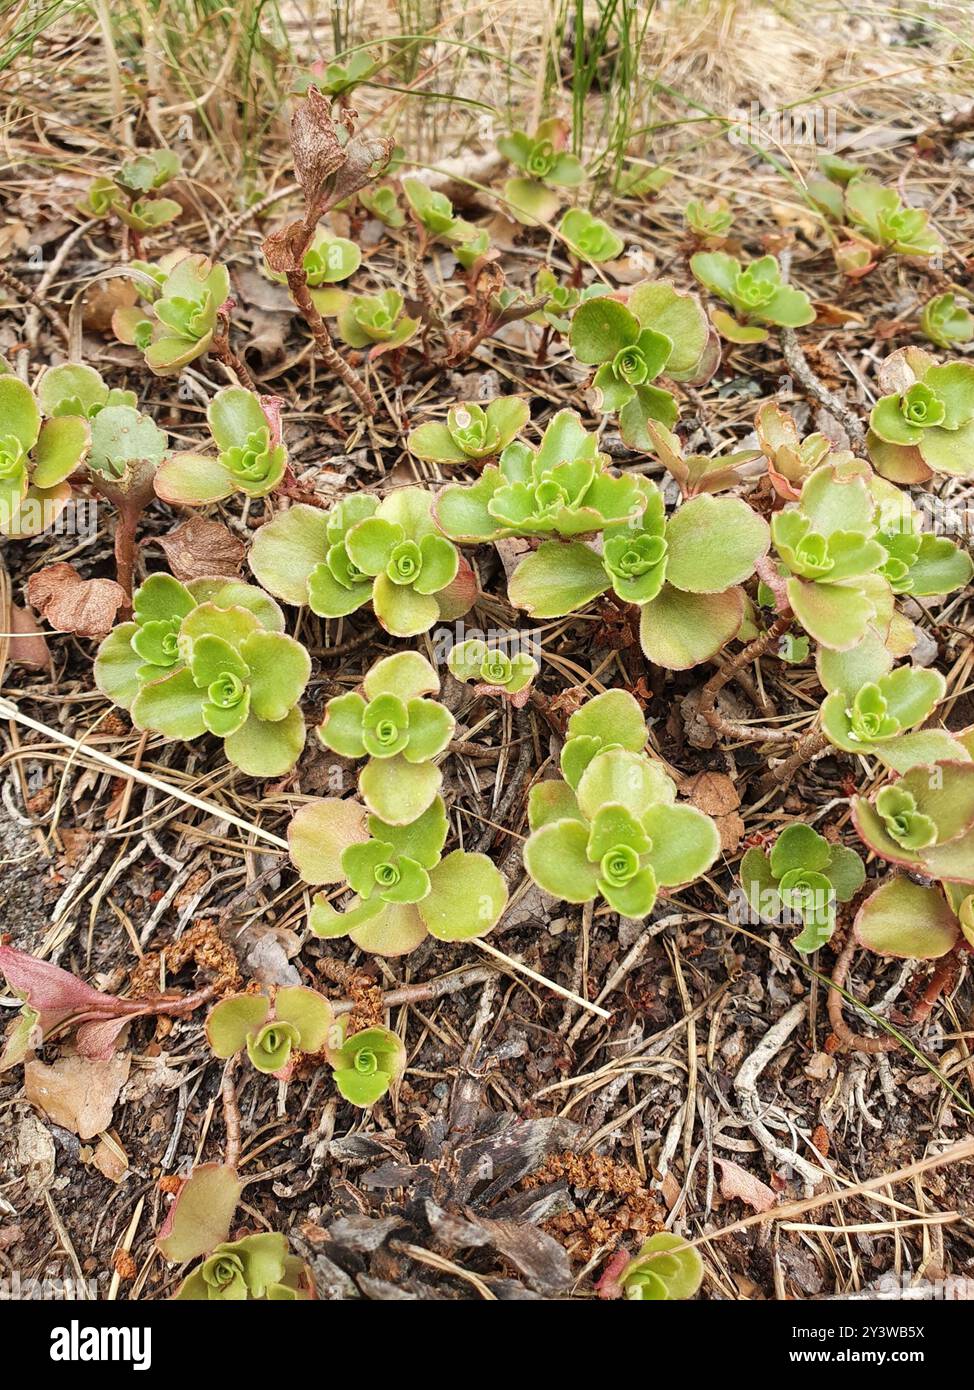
x,y
487,645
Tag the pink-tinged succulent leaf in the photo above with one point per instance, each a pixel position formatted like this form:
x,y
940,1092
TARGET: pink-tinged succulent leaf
x,y
907,920
200,1217
836,615
320,833
551,801
678,630
56,994
39,509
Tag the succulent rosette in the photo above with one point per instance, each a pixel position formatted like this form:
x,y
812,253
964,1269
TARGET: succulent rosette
x,y
612,828
880,214
254,1267
563,487
471,431
389,553
493,670
403,887
588,238
36,458
183,316
210,657
660,330
545,167
755,292
804,875
327,261
946,323
376,322
251,457
685,574
926,424
924,819
666,1269
365,1064
271,1028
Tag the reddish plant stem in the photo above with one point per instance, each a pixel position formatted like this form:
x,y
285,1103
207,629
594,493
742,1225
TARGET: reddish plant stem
x,y
298,285
942,981
220,349
708,696
846,1035
231,1114
126,521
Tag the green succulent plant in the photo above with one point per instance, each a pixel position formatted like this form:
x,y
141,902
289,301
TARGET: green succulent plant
x,y
562,487
612,828
494,671
254,1267
433,213
127,194
545,169
210,656
182,317
365,1064
805,876
403,887
685,573
927,425
134,324
37,457
340,79
755,292
867,717
665,1270
880,214
383,204
924,819
911,921
74,389
561,299
588,238
471,431
376,322
660,330
252,457
709,219
829,548
394,725
945,322
389,553
327,261
271,1028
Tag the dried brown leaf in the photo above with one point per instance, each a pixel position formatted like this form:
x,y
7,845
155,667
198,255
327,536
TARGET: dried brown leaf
x,y
737,1182
199,548
77,1093
72,604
